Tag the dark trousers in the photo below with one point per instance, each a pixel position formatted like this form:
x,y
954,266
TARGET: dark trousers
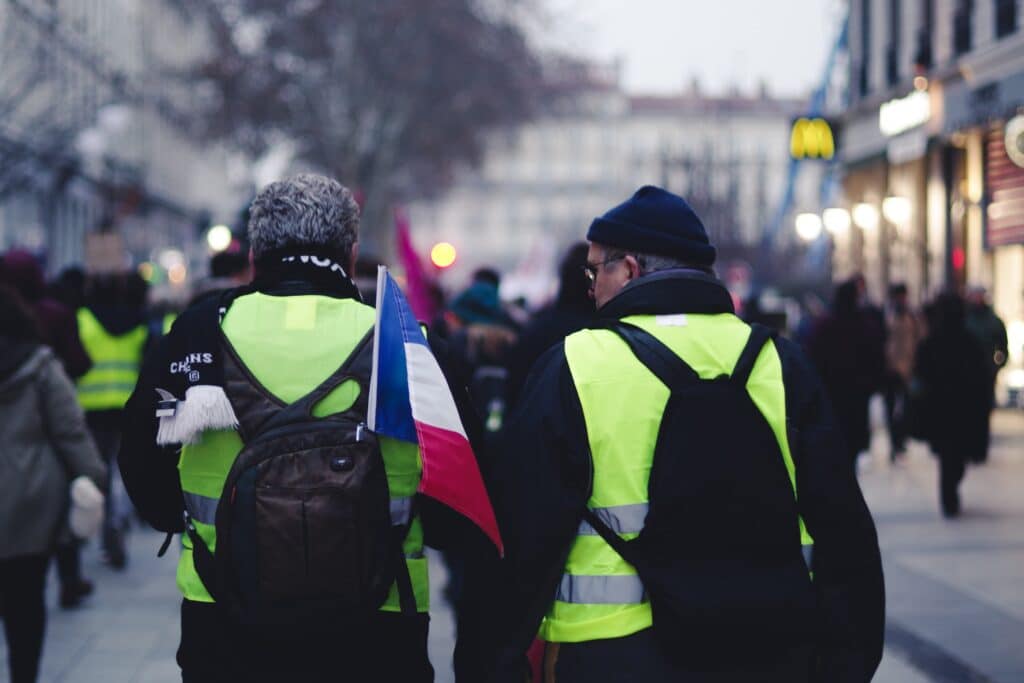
x,y
22,581
896,412
951,473
640,657
117,507
69,563
390,647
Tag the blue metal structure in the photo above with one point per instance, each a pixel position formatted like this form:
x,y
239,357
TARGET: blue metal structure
x,y
815,109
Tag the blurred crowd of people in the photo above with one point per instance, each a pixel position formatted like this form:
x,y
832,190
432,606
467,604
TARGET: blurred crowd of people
x,y
936,368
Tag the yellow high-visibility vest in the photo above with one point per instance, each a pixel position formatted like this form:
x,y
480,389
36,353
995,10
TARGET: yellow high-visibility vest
x,y
600,595
115,363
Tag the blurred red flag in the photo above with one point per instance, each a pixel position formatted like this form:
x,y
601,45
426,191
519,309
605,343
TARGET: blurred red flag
x,y
418,283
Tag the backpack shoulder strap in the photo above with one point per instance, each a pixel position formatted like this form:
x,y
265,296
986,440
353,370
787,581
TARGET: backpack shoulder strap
x,y
618,543
759,336
356,366
668,367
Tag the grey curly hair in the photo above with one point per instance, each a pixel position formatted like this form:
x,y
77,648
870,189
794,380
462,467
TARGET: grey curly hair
x,y
305,210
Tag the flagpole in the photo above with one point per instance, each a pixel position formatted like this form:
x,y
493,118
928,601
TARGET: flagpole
x,y
371,418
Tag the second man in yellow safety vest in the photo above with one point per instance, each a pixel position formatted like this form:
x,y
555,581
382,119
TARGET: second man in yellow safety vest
x,y
673,492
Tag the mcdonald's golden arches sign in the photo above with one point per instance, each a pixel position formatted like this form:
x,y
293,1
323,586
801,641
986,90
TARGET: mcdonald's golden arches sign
x,y
812,139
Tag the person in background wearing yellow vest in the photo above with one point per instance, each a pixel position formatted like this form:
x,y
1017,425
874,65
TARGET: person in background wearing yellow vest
x,y
583,437
276,344
114,332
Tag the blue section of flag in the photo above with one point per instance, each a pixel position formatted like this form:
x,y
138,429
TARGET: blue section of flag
x,y
397,326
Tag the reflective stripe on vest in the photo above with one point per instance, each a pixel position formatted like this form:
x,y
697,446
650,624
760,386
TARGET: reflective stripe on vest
x,y
622,519
204,508
115,363
201,508
600,595
401,510
203,467
601,590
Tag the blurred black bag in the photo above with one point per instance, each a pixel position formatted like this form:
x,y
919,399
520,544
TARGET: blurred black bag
x,y
720,553
916,410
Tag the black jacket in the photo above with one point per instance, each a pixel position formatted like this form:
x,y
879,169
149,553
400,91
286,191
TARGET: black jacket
x,y
542,484
953,376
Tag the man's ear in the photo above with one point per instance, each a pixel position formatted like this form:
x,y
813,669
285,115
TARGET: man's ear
x,y
353,260
633,265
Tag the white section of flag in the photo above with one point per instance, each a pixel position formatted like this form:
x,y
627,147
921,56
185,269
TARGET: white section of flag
x,y
431,399
371,414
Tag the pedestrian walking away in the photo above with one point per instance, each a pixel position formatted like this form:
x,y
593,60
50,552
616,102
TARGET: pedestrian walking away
x,y
115,334
904,332
302,540
952,383
46,446
848,351
674,495
989,332
59,327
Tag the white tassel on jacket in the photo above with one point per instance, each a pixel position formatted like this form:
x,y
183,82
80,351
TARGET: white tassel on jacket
x,y
204,408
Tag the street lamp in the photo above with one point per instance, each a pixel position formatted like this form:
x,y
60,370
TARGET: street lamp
x,y
896,210
865,216
837,221
219,237
443,255
808,226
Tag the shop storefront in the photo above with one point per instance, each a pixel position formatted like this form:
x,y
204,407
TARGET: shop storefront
x,y
890,150
985,125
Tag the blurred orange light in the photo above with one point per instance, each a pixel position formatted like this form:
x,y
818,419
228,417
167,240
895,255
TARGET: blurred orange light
x,y
176,273
443,254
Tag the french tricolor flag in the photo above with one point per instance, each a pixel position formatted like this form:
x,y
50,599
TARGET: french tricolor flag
x,y
410,401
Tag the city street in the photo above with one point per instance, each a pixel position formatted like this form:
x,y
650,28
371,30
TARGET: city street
x,y
955,604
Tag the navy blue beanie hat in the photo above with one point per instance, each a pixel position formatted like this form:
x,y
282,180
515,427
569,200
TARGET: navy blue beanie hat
x,y
654,221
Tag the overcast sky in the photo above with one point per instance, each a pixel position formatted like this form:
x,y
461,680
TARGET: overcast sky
x,y
665,43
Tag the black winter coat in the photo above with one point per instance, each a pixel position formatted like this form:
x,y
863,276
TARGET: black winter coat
x,y
953,387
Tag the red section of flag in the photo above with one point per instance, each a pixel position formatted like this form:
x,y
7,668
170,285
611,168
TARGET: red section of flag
x,y
451,476
418,283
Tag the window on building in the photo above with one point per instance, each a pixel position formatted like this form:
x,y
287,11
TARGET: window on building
x,y
892,52
864,71
962,26
1006,17
923,59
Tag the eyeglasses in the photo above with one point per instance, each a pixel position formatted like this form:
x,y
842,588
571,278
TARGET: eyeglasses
x,y
590,270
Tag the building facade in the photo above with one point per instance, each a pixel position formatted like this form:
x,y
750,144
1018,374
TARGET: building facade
x,y
539,186
87,141
933,150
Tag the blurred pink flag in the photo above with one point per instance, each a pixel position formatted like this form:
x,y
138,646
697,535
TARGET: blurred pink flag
x,y
418,283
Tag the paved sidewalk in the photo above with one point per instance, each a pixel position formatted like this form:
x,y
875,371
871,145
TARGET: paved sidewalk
x,y
128,631
955,588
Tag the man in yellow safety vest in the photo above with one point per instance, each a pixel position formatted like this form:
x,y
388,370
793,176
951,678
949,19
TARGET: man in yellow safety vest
x,y
578,482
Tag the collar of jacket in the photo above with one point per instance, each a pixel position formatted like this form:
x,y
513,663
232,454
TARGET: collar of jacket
x,y
295,287
670,291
